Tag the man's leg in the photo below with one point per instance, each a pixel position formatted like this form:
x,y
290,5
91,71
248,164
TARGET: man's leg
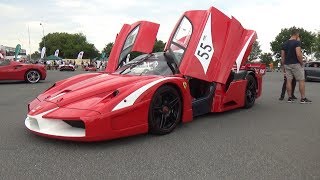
x,y
302,89
298,73
289,87
289,77
294,82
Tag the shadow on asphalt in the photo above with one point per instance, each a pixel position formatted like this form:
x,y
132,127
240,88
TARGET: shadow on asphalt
x,y
20,82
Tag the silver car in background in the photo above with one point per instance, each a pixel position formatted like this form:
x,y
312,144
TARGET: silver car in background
x,y
312,71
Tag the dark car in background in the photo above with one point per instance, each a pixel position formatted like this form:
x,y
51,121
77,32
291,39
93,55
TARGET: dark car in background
x,y
312,71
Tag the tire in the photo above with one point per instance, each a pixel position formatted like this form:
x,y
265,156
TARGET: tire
x,y
32,76
251,92
165,110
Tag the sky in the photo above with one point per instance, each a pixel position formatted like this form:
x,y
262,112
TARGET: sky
x,y
101,20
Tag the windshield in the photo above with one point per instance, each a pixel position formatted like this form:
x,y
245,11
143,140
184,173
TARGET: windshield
x,y
181,39
148,64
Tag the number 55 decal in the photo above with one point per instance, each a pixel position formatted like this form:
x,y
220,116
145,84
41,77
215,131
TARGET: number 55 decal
x,y
205,50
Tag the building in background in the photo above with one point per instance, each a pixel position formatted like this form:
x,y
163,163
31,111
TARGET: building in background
x,y
9,53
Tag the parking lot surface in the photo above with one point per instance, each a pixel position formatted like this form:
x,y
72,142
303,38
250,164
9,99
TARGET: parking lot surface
x,y
272,140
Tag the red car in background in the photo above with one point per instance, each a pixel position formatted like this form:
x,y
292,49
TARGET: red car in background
x,y
90,68
154,92
68,67
12,70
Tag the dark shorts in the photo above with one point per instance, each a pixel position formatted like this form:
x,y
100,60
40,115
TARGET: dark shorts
x,y
294,71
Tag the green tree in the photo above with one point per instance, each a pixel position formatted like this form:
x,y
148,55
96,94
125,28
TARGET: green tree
x,y
107,49
316,46
69,45
255,52
307,40
35,55
158,46
266,58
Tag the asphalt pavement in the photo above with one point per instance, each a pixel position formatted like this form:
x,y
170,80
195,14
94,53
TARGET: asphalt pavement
x,y
272,140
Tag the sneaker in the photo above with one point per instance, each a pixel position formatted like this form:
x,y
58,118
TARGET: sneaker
x,y
290,100
295,98
281,98
305,101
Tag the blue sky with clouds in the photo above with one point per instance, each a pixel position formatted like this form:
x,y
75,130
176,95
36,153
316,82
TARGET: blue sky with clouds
x,y
100,20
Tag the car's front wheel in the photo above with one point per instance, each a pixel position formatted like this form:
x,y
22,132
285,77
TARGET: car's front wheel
x,y
32,76
165,110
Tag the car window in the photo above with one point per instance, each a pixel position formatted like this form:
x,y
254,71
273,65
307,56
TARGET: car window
x,y
4,62
314,65
181,39
128,44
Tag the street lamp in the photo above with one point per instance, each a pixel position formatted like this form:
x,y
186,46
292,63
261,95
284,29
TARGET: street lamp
x,y
44,40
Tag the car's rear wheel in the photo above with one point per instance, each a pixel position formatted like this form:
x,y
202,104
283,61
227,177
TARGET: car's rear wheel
x,y
32,76
251,91
165,110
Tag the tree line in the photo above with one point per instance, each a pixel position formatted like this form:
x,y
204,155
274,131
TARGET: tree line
x,y
70,45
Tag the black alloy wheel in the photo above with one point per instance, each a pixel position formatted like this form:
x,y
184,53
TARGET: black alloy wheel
x,y
251,91
165,110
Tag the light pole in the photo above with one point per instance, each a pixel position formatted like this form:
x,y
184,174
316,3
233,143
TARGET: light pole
x,y
44,39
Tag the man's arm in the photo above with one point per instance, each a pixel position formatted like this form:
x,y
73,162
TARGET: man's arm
x,y
299,55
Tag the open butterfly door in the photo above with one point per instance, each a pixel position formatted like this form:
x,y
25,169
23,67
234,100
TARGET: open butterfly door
x,y
138,37
206,44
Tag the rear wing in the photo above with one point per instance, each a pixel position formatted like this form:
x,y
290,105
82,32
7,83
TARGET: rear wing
x,y
258,68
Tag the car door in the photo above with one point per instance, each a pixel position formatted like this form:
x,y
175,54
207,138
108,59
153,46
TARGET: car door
x,y
137,37
206,44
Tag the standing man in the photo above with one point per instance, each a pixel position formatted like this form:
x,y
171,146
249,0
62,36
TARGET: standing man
x,y
291,57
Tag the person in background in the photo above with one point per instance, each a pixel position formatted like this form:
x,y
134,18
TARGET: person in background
x,y
291,57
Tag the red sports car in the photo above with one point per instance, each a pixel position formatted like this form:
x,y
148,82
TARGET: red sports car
x,y
68,67
12,70
90,68
203,69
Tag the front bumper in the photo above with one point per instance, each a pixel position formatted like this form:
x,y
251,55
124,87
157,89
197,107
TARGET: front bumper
x,y
53,127
93,126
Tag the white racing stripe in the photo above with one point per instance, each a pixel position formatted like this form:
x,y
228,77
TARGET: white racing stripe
x,y
244,49
129,100
56,96
205,49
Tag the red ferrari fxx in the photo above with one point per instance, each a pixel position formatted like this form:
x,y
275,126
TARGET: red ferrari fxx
x,y
203,69
12,70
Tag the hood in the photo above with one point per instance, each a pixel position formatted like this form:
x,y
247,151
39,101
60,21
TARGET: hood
x,y
93,92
